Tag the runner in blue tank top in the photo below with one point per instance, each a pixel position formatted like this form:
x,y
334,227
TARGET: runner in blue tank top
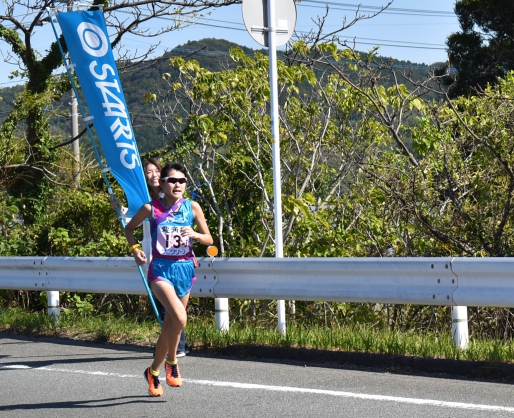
x,y
171,272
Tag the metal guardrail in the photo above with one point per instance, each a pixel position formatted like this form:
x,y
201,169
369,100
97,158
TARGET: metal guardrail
x,y
484,282
83,274
382,280
422,281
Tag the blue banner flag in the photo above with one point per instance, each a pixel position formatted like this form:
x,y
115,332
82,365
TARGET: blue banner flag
x,y
88,44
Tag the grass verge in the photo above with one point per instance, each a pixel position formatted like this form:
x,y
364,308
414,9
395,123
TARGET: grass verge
x,y
202,335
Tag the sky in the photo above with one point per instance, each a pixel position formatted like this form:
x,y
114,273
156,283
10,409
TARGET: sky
x,y
412,30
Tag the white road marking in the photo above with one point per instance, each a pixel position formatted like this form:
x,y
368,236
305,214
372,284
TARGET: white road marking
x,y
237,385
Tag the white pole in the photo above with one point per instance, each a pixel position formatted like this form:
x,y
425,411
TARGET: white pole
x,y
221,312
74,134
460,326
277,184
54,307
74,125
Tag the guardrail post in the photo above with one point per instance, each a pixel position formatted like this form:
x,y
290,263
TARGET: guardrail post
x,y
281,305
460,326
221,312
53,303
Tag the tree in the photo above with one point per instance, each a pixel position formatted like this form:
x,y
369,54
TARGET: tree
x,y
26,128
446,179
483,50
229,155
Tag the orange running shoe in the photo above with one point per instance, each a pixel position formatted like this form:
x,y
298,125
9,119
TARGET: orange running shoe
x,y
154,386
173,377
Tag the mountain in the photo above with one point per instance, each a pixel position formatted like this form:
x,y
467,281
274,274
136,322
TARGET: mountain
x,y
141,79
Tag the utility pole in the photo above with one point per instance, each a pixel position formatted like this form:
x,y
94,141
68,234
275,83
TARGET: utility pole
x,y
76,144
74,117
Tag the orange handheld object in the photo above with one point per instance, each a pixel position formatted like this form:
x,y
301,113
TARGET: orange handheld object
x,y
212,251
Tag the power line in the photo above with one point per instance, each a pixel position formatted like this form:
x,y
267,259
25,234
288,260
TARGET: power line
x,y
321,4
13,82
400,46
405,44
437,46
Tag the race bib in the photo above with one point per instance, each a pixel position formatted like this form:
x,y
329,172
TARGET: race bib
x,y
170,241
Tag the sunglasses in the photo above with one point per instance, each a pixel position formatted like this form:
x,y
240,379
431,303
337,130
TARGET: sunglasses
x,y
173,180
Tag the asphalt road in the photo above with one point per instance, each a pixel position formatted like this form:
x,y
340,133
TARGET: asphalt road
x,y
53,378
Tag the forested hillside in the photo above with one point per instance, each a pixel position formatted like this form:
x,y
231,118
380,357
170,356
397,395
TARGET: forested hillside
x,y
212,54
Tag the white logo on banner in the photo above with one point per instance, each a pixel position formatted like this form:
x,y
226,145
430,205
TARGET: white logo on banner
x,y
93,39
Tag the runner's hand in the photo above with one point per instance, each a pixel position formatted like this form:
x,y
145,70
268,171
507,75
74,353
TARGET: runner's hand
x,y
139,256
187,231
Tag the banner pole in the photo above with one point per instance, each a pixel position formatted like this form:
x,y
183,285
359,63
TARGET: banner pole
x,y
99,159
